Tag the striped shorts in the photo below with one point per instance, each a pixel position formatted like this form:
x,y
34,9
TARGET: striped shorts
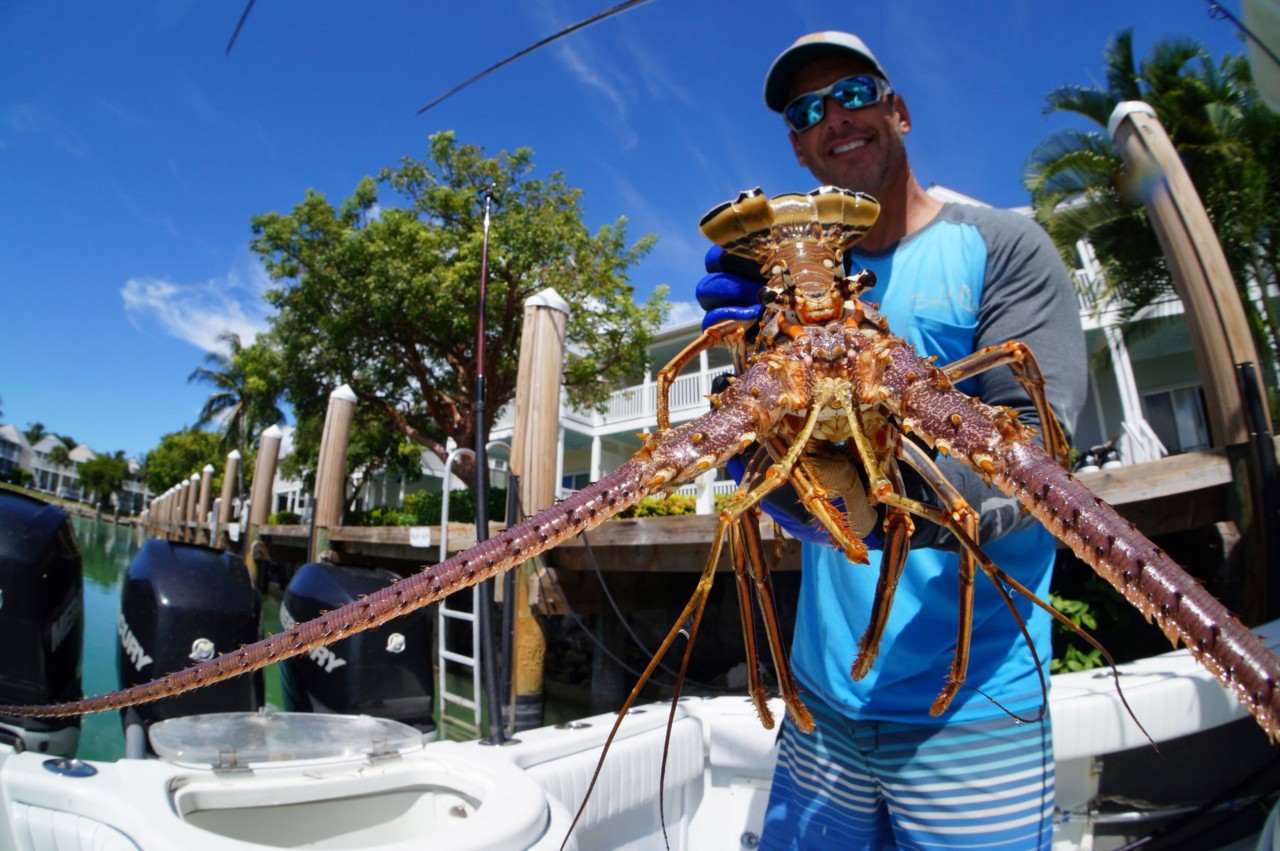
x,y
876,784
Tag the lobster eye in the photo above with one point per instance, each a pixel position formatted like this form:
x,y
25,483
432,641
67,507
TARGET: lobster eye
x,y
766,296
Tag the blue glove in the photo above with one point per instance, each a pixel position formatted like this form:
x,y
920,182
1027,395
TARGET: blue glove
x,y
785,508
729,290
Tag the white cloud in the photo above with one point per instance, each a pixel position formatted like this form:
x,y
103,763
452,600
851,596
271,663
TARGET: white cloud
x,y
199,313
683,312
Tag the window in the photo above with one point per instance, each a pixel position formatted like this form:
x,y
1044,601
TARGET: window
x,y
575,481
1178,418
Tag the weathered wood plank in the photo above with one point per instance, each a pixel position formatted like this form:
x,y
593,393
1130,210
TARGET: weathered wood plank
x,y
1173,494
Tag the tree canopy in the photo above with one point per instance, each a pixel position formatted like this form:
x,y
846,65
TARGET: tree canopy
x,y
104,475
1229,142
179,455
384,298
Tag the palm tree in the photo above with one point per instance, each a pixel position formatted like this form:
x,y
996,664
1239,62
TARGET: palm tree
x,y
1226,139
246,390
34,433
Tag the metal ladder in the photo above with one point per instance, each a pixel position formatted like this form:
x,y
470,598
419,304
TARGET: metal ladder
x,y
465,723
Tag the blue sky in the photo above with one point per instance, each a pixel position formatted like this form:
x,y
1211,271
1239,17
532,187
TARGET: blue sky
x,y
133,152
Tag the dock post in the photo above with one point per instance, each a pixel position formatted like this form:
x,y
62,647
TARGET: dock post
x,y
203,534
331,470
1220,336
537,428
264,474
184,512
193,510
230,480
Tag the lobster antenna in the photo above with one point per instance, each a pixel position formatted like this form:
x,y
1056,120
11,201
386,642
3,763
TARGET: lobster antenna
x,y
239,26
586,22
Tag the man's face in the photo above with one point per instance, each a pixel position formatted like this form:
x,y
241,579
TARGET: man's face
x,y
859,149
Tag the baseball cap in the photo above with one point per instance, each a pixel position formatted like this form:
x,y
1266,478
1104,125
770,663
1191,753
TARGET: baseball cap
x,y
777,83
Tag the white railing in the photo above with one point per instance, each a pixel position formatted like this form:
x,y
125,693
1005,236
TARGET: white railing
x,y
638,402
1140,443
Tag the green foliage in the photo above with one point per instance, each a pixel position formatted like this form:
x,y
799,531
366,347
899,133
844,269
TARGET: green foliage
x,y
104,476
247,387
180,454
384,297
1229,142
380,515
425,508
60,456
18,476
1073,656
284,518
662,506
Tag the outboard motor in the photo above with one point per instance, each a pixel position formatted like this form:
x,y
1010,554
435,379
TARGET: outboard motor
x,y
41,620
384,672
182,604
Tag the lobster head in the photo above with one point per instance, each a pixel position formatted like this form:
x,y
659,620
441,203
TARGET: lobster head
x,y
754,226
799,242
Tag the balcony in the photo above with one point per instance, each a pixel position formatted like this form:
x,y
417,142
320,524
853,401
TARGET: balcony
x,y
633,408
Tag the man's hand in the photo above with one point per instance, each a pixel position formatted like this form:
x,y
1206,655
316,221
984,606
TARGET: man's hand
x,y
730,288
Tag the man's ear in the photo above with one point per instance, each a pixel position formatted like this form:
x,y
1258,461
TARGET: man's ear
x,y
795,146
904,115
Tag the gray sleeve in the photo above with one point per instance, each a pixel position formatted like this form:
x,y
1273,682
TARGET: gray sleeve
x,y
1028,296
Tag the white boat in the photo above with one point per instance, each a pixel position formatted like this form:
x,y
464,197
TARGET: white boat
x,y
238,782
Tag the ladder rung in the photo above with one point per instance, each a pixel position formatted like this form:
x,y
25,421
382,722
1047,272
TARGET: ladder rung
x,y
459,700
458,615
450,656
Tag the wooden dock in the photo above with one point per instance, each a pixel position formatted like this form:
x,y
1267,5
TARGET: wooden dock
x,y
1173,494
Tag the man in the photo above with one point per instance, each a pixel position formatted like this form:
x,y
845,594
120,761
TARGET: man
x,y
879,771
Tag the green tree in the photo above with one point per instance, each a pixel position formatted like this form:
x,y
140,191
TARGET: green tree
x,y
373,449
246,382
1227,140
104,476
60,456
180,454
384,298
34,433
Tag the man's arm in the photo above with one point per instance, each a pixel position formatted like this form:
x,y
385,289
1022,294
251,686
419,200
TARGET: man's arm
x,y
1028,296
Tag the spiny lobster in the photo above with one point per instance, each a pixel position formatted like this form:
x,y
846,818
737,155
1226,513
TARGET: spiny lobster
x,y
825,368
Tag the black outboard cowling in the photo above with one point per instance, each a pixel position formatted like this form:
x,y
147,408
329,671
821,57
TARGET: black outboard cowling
x,y
41,620
182,604
385,672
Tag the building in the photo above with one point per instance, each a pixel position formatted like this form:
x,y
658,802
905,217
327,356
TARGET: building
x,y
15,451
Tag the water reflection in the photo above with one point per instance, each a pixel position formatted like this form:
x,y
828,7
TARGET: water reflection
x,y
107,550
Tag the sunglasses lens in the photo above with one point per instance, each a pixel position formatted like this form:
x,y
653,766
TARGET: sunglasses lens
x,y
855,92
804,112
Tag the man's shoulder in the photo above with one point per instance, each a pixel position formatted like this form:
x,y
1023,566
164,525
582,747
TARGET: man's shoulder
x,y
1000,228
984,217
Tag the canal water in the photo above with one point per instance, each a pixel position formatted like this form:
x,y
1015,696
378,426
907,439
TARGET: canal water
x,y
106,550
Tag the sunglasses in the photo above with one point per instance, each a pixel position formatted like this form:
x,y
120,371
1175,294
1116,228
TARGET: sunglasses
x,y
851,93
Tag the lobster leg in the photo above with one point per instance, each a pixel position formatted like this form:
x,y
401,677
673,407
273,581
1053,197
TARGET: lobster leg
x,y
743,576
957,515
746,498
963,514
754,558
898,527
746,572
729,332
1026,369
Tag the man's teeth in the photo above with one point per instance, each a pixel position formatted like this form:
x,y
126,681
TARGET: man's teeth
x,y
848,146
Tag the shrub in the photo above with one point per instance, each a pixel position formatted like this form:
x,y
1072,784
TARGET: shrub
x,y
662,506
425,508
